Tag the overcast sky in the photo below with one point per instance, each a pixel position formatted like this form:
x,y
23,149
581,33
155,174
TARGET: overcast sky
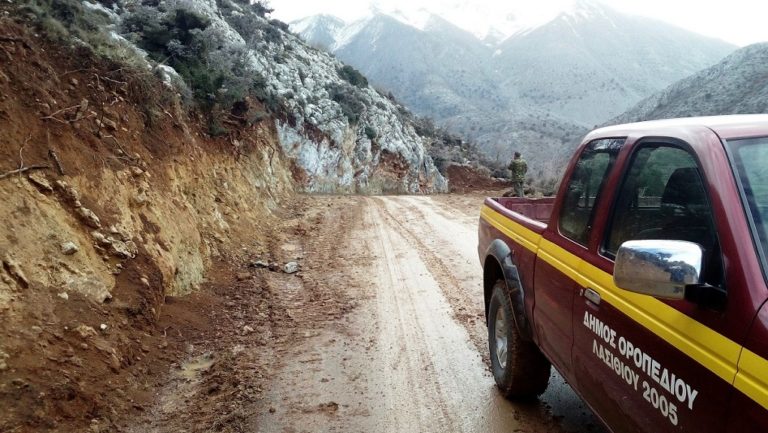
x,y
741,22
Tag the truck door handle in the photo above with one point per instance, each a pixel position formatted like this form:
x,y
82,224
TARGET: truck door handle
x,y
592,296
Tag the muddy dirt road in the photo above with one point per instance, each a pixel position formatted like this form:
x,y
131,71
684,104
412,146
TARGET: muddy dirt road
x,y
382,330
411,357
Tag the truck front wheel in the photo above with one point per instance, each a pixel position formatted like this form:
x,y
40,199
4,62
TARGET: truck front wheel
x,y
518,366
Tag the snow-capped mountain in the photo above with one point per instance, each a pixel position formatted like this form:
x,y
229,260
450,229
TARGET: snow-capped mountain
x,y
591,63
419,66
321,30
484,20
540,88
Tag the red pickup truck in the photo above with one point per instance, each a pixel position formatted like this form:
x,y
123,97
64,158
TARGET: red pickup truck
x,y
644,281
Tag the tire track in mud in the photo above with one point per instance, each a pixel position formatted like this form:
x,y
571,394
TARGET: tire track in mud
x,y
466,310
439,241
419,365
467,217
411,355
455,369
399,362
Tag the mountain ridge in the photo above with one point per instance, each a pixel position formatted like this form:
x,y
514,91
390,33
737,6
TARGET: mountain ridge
x,y
736,85
541,88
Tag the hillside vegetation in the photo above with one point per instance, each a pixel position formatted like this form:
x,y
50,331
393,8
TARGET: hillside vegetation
x,y
736,85
234,66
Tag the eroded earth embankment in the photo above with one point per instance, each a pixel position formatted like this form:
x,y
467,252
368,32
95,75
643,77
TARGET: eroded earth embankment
x,y
112,202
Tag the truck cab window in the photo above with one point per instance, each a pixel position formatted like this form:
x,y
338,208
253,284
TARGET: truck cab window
x,y
750,161
584,187
663,197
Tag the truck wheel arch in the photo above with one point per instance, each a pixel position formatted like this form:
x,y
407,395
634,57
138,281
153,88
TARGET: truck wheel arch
x,y
500,264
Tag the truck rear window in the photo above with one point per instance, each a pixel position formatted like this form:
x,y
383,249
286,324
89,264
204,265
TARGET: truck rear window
x,y
585,185
749,158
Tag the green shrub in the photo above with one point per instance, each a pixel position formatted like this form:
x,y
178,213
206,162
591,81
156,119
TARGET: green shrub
x,y
259,86
351,105
218,79
371,132
54,29
256,117
271,34
204,82
59,19
425,127
261,8
548,186
353,76
177,35
215,129
280,25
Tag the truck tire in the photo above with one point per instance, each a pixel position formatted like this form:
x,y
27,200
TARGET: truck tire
x,y
520,369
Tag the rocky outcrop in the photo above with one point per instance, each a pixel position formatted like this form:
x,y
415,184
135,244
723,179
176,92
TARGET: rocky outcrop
x,y
336,130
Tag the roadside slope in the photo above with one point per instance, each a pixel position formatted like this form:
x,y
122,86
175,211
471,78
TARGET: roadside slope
x,y
127,209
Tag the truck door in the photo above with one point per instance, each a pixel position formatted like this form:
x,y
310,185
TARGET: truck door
x,y
748,407
642,363
559,252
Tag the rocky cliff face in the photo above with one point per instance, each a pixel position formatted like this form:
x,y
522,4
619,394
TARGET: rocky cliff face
x,y
343,135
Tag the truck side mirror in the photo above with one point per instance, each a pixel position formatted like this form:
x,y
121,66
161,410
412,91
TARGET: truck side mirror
x,y
659,268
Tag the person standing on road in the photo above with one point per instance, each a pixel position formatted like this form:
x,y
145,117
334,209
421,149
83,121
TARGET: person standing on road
x,y
518,167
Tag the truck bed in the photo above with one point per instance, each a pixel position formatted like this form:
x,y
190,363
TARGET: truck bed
x,y
538,209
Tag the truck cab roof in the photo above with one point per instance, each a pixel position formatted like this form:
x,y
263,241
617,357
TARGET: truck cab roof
x,y
726,127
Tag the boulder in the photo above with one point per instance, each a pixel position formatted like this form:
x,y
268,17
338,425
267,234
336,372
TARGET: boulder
x,y
69,192
85,331
109,124
40,181
123,250
88,217
101,239
69,248
291,268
